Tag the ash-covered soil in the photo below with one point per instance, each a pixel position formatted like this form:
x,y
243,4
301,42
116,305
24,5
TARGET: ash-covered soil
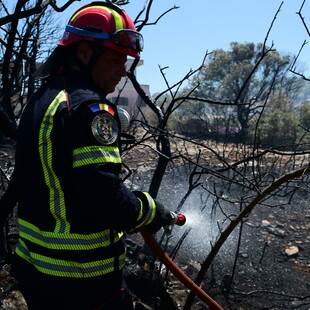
x,y
272,270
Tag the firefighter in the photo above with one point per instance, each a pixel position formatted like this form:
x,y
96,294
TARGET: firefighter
x,y
72,205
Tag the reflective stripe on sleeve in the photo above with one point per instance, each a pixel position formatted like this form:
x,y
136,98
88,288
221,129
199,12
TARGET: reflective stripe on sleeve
x,y
66,241
96,154
56,194
62,268
149,210
141,210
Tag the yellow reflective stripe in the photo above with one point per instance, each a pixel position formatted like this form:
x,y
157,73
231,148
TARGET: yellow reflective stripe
x,y
65,241
117,18
56,197
151,210
96,154
81,11
141,210
73,269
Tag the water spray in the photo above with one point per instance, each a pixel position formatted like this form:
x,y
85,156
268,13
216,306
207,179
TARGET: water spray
x,y
178,219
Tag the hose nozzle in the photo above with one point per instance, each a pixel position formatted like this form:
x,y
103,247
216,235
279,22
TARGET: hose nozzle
x,y
177,219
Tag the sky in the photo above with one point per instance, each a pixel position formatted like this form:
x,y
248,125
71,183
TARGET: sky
x,y
180,39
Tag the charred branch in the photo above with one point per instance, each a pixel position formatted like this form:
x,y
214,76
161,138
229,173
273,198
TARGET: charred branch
x,y
37,9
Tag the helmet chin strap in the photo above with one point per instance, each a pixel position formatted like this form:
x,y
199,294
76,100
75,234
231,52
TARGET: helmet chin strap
x,y
133,66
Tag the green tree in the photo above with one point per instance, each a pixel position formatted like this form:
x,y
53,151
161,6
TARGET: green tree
x,y
304,125
245,75
277,127
304,115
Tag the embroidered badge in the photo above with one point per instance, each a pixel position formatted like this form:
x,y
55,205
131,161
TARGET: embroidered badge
x,y
104,128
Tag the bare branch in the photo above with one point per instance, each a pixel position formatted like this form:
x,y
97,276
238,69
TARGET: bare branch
x,y
302,18
224,235
147,8
38,8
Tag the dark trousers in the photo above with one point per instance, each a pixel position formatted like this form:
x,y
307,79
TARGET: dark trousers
x,y
56,293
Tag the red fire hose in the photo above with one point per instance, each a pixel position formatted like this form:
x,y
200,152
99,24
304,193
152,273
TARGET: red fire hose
x,y
165,259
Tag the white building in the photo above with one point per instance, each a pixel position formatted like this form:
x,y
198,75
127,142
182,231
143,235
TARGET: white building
x,y
125,94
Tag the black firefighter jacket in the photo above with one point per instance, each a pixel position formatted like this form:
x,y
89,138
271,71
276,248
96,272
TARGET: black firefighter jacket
x,y
73,207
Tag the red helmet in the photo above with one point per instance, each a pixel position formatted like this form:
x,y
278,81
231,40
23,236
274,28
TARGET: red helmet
x,y
106,24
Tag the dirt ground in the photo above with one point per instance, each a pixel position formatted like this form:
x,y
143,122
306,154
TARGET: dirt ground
x,y
272,271
273,266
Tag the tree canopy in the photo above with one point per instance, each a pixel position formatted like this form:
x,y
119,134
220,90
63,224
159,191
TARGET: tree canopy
x,y
244,76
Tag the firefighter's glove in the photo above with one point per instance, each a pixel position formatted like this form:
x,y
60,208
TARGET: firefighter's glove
x,y
162,218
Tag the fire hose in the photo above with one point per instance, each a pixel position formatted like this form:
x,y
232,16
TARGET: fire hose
x,y
179,220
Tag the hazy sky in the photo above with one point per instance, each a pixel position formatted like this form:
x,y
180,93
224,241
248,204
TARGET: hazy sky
x,y
182,37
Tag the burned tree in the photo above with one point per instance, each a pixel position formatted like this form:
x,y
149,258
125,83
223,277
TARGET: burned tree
x,y
22,33
232,179
261,177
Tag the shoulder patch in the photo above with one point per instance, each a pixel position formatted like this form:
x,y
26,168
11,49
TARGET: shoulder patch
x,y
101,107
104,128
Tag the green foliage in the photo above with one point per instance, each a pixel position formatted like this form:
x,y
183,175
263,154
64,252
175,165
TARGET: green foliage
x,y
225,73
277,129
278,124
304,125
304,115
243,77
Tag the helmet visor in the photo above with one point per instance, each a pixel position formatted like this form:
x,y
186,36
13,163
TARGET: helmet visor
x,y
128,38
124,37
